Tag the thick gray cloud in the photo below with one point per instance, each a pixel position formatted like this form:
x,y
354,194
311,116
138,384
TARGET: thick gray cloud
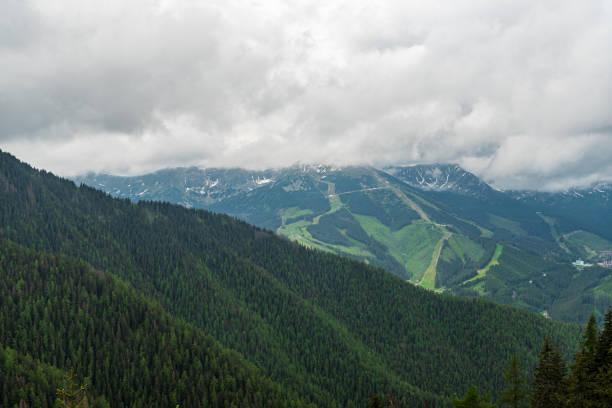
x,y
520,92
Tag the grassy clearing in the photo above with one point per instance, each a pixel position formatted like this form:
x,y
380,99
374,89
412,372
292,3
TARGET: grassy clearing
x,y
417,246
605,287
586,239
415,207
466,248
412,246
507,224
448,254
294,230
429,277
294,212
479,288
551,223
334,203
553,230
481,273
356,250
298,231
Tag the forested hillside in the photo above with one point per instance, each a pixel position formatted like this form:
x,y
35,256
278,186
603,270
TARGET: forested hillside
x,y
330,330
126,347
588,384
438,226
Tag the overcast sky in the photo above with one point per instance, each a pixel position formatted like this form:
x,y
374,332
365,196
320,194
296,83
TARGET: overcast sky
x,y
519,92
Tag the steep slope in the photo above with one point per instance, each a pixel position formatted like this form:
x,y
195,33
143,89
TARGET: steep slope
x,y
438,226
24,380
67,314
538,235
465,195
379,213
332,330
365,214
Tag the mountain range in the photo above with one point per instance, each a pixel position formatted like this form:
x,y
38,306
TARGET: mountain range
x,y
154,304
437,226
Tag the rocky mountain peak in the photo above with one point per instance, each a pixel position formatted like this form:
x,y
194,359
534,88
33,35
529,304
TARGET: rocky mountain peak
x,y
440,177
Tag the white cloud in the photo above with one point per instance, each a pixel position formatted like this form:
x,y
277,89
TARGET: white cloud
x,y
518,91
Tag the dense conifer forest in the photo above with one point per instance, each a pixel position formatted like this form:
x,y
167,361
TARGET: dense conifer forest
x,y
587,385
130,350
155,302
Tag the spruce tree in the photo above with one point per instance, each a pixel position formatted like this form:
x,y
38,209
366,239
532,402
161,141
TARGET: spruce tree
x,y
603,361
549,380
604,342
581,387
603,386
514,394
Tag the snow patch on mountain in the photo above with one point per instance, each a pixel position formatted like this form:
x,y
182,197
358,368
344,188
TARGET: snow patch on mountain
x,y
440,177
600,191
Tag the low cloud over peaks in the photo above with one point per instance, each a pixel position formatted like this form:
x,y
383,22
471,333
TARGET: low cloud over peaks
x,y
520,92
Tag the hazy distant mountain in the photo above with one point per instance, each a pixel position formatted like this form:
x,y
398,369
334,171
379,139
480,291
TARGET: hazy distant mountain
x,y
600,191
576,208
188,186
438,226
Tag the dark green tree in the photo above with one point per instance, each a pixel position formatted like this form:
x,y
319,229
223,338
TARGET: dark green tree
x,y
603,361
581,386
603,386
472,399
604,343
549,382
514,394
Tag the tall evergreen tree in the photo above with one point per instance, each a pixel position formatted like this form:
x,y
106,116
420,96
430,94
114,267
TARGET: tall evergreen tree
x,y
604,342
603,386
514,394
549,382
581,387
603,358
